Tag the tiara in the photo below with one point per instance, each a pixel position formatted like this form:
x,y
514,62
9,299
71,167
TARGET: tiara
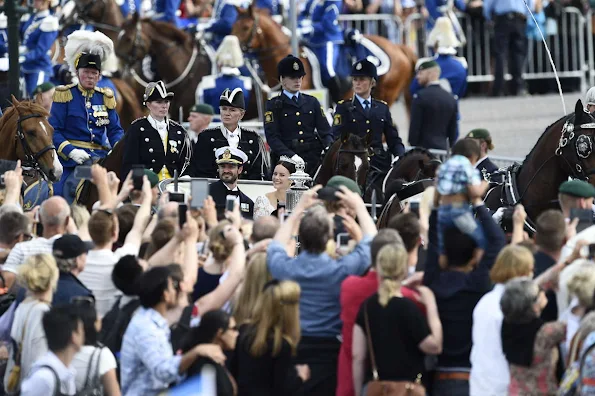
x,y
285,158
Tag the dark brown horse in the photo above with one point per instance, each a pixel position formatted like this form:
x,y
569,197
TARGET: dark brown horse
x,y
178,59
262,36
105,15
564,150
347,156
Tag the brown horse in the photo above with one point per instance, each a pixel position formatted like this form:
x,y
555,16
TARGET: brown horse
x,y
105,15
564,150
347,156
127,103
26,135
262,36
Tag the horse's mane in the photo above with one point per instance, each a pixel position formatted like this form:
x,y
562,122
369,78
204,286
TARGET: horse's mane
x,y
170,31
563,118
415,151
11,114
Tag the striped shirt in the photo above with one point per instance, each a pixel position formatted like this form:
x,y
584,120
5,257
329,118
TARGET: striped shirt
x,y
24,250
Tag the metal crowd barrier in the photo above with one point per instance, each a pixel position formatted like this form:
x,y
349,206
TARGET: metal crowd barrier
x,y
499,161
385,25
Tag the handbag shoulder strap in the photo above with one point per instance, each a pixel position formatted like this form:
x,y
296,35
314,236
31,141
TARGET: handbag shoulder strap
x,y
370,345
20,343
582,364
92,375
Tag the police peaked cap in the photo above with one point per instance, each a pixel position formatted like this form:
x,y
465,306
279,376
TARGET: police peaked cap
x,y
290,66
233,98
364,68
156,91
88,61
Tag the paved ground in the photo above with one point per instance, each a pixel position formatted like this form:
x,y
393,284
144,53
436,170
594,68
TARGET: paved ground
x,y
515,123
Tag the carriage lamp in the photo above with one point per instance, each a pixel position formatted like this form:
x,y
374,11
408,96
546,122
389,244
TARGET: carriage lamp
x,y
295,192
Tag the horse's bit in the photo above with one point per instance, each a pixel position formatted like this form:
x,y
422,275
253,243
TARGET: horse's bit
x,y
31,158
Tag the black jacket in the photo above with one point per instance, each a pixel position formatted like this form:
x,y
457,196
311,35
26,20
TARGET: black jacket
x,y
204,163
486,167
433,118
219,192
143,146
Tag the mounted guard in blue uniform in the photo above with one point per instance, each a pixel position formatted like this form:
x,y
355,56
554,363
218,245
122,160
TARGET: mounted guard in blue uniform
x,y
221,23
86,125
38,33
165,11
229,58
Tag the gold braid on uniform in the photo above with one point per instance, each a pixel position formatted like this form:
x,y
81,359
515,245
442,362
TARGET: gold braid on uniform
x,y
109,100
62,94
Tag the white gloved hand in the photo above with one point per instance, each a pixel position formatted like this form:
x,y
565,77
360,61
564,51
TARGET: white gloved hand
x,y
21,59
497,216
22,49
297,159
395,159
79,156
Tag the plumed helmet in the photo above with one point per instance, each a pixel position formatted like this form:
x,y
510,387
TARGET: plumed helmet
x,y
86,49
443,34
229,53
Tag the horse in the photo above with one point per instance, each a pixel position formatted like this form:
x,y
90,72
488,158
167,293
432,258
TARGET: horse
x,y
105,15
347,156
417,164
563,150
263,37
26,135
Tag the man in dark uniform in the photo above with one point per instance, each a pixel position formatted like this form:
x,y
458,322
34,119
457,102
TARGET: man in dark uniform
x,y
232,107
294,123
230,162
433,111
364,115
484,165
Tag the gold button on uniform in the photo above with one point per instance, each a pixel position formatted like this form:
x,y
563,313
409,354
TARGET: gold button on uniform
x,y
301,132
299,123
367,121
354,120
301,141
368,130
297,113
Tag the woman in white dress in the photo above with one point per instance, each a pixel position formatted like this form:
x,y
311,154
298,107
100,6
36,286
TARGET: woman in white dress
x,y
270,202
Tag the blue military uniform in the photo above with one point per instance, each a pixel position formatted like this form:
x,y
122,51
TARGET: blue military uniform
x,y
327,36
130,7
84,120
38,33
272,6
3,35
224,16
210,88
165,11
296,123
433,7
375,120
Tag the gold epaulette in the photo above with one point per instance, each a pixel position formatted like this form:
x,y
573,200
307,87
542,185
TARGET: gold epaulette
x,y
382,101
63,94
109,100
341,101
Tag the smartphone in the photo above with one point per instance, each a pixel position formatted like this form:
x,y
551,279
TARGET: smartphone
x,y
138,173
230,202
182,209
82,172
343,239
585,218
199,189
506,222
591,251
177,197
5,166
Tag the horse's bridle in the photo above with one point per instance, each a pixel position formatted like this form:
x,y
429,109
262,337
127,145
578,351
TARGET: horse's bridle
x,y
246,45
84,10
31,158
354,152
131,58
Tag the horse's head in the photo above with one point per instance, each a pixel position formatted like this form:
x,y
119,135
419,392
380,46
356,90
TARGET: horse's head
x,y
90,10
247,29
133,42
33,139
418,163
348,156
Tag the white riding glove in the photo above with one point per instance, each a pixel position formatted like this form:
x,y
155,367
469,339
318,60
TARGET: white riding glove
x,y
79,156
297,159
497,216
395,159
22,49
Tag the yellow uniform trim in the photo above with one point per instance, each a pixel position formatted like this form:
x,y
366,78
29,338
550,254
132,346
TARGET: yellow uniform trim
x,y
109,100
63,94
61,148
87,145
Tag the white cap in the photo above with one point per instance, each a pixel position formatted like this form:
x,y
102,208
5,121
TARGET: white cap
x,y
230,155
590,97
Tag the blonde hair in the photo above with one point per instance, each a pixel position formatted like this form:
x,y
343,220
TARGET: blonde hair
x,y
512,262
277,316
218,245
39,273
391,264
257,274
582,283
80,215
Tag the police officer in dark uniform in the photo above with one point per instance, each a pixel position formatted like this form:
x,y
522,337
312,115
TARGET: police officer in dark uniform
x,y
232,108
230,161
295,124
484,165
155,141
365,115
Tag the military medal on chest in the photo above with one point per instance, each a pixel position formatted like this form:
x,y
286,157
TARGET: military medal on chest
x,y
101,116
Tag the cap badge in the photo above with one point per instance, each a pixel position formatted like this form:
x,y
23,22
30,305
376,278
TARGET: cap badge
x,y
227,154
358,66
296,66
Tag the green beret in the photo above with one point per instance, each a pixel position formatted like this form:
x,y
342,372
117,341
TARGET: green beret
x,y
577,188
483,134
41,88
153,178
427,65
202,108
327,193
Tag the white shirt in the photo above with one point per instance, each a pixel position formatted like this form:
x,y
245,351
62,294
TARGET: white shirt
x,y
233,137
23,250
160,126
105,359
490,375
42,381
97,275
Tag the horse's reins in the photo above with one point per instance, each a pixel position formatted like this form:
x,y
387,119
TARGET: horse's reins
x,y
247,46
31,158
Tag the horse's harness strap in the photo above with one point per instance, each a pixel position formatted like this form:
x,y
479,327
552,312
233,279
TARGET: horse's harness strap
x,y
583,148
32,158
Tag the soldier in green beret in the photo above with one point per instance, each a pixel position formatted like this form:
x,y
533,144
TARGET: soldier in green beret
x,y
575,194
136,196
484,165
43,95
200,117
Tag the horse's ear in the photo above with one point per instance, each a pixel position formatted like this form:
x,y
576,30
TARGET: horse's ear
x,y
15,102
135,17
579,113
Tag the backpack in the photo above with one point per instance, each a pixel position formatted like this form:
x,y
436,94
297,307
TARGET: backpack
x,y
572,380
114,324
93,385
